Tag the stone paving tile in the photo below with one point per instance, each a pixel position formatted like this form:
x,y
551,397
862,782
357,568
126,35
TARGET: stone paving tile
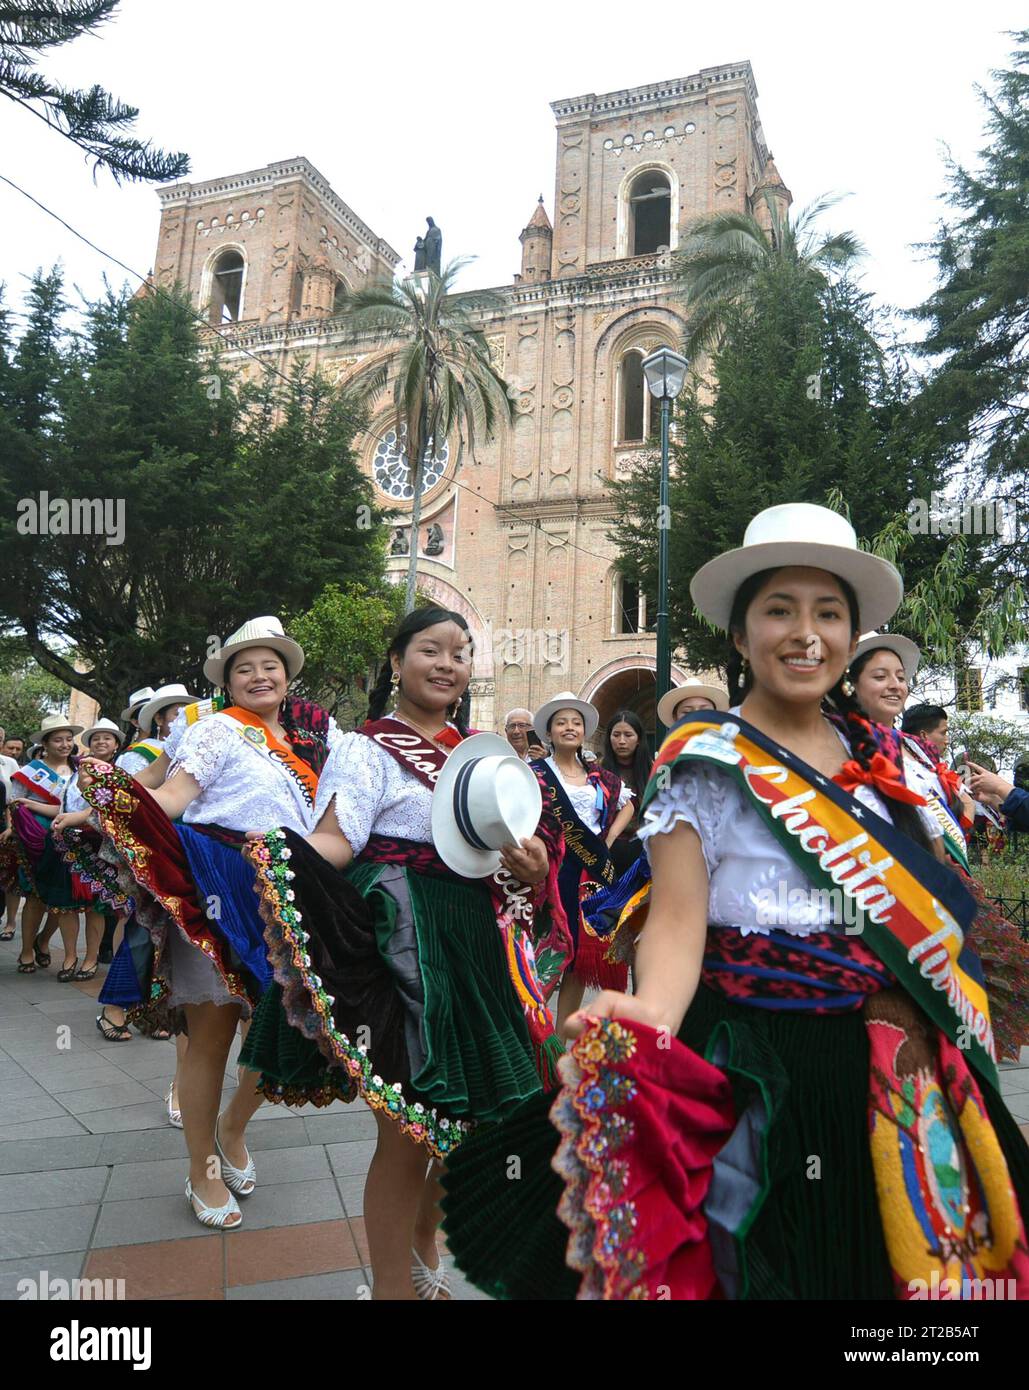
x,y
349,1160
284,1134
1018,1105
19,1085
333,1129
44,1107
255,1257
89,1099
46,1155
147,1219
71,1003
140,1148
42,1129
351,1190
82,1074
292,1204
65,1266
127,1118
47,1232
166,1177
341,1284
61,1187
1015,1081
164,1268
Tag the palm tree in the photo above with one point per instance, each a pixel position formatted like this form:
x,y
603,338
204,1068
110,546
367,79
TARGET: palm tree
x,y
439,363
725,253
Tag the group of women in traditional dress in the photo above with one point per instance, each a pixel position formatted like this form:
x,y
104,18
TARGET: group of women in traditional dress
x,y
799,1098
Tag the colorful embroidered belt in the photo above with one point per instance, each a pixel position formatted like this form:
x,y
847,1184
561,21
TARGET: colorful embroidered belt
x,y
821,973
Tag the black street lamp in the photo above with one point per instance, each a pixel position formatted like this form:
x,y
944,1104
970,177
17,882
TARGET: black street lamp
x,y
665,373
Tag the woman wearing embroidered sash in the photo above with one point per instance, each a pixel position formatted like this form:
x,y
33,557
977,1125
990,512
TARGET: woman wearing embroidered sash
x,y
827,1123
199,949
36,793
882,671
404,982
593,808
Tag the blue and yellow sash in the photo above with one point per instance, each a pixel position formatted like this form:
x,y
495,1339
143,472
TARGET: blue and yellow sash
x,y
913,910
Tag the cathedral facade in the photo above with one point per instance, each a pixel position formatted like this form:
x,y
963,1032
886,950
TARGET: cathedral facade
x,y
513,537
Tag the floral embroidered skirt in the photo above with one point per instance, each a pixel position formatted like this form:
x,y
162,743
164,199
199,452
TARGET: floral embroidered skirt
x,y
391,985
794,1212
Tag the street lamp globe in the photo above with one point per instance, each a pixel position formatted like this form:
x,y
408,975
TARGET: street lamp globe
x,y
665,373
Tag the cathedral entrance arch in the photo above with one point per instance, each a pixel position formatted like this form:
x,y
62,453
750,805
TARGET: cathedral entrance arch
x,y
627,683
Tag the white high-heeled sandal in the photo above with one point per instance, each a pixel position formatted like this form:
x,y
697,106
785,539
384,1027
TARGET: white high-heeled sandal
x,y
429,1283
241,1181
174,1116
213,1216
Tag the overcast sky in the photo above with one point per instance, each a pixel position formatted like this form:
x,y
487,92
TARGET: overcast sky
x,y
444,109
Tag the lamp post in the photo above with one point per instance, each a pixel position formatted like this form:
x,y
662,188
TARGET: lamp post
x,y
665,373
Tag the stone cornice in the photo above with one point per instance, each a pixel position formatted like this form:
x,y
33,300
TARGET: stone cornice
x,y
544,510
657,94
179,194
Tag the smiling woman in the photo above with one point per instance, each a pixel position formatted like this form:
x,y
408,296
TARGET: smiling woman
x,y
404,980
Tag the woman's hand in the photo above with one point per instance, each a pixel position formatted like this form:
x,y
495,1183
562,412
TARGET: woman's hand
x,y
610,1004
61,820
88,769
528,863
5,835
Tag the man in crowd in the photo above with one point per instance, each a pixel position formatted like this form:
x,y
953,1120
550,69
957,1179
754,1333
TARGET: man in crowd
x,y
517,731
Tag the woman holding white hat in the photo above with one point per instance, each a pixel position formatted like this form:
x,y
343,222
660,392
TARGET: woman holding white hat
x,y
593,808
412,980
36,792
251,766
827,1121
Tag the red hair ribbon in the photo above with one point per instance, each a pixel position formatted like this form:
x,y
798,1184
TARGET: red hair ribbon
x,y
881,774
950,781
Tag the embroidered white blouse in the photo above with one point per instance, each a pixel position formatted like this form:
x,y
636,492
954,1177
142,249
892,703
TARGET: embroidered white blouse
x,y
584,799
754,884
372,794
132,763
241,787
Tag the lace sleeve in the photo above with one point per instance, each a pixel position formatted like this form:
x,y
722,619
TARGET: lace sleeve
x,y
334,735
175,734
352,782
202,751
701,797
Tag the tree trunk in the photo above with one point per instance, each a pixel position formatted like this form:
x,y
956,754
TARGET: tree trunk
x,y
418,448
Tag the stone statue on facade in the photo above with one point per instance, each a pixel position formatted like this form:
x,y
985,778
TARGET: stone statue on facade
x,y
399,545
434,540
433,247
419,255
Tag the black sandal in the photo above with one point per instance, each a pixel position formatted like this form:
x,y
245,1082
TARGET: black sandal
x,y
42,957
117,1033
85,974
6,935
68,973
26,967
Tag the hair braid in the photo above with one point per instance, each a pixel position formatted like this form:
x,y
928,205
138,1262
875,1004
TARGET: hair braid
x,y
380,691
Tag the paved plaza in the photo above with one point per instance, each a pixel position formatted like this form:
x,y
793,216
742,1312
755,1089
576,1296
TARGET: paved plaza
x,y
92,1174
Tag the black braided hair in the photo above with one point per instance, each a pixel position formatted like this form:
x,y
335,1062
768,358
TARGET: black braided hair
x,y
416,621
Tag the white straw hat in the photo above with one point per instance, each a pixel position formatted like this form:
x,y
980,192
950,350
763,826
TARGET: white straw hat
x,y
137,699
909,653
102,726
799,533
668,701
258,632
485,797
566,700
163,696
52,724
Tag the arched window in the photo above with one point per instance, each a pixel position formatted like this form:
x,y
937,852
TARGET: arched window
x,y
297,303
650,213
227,288
628,606
339,295
639,416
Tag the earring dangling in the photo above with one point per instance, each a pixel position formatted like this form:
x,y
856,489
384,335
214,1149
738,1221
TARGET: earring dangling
x,y
744,666
394,686
845,685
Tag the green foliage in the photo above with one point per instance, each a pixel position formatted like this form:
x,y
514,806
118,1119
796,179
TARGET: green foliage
x,y
344,635
811,405
975,320
237,500
436,362
93,119
27,693
988,739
